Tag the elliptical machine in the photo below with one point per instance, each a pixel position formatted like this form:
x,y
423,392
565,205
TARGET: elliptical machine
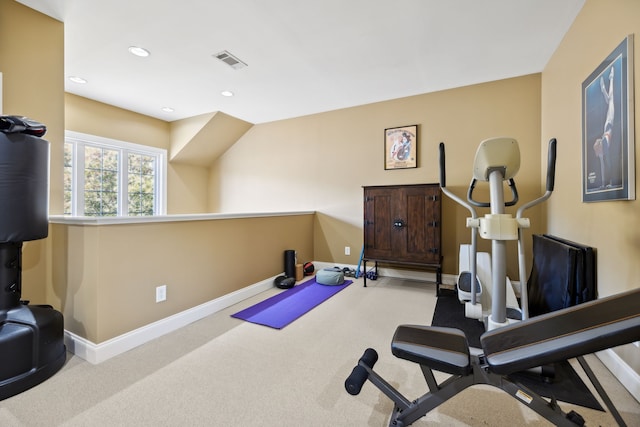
x,y
31,336
497,160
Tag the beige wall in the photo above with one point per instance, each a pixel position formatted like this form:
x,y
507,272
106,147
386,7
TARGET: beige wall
x,y
611,227
33,76
32,69
321,162
96,118
186,184
105,276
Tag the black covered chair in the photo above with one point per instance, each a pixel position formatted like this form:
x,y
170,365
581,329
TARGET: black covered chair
x,y
31,336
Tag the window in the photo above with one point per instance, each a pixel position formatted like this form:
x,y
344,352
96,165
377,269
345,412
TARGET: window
x,y
105,177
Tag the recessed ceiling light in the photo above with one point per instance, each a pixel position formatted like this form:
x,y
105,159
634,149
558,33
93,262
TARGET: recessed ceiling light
x,y
139,51
77,79
167,109
226,93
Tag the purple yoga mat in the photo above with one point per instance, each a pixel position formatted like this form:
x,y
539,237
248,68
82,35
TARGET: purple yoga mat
x,y
282,309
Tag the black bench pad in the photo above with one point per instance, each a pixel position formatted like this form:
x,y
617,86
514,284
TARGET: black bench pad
x,y
442,349
564,334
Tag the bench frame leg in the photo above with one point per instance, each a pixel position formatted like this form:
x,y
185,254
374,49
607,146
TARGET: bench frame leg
x,y
407,412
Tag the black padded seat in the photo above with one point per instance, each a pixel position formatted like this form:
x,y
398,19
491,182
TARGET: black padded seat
x,y
564,334
442,349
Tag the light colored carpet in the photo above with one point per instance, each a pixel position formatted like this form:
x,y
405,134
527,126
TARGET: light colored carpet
x,y
224,371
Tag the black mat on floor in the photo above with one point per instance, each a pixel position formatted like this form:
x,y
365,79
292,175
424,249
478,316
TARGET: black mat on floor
x,y
450,312
566,385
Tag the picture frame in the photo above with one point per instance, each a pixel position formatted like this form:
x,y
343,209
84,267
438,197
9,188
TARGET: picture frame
x,y
401,147
608,147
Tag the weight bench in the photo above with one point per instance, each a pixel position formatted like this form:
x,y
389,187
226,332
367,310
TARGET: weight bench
x,y
553,337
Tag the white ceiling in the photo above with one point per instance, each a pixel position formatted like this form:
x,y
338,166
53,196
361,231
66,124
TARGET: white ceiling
x,y
303,56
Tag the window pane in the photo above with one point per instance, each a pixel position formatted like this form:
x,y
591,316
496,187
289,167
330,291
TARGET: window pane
x,y
109,160
68,154
100,181
109,203
134,163
134,203
92,157
110,181
92,180
141,185
148,165
147,184
67,203
147,204
92,203
68,178
101,190
134,183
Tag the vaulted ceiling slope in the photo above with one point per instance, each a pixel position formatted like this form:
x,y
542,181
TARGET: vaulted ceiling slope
x,y
302,56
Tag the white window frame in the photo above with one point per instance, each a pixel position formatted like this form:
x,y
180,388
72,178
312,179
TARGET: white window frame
x,y
80,140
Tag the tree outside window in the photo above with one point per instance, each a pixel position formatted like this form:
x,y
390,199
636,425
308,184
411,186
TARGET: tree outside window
x,y
105,177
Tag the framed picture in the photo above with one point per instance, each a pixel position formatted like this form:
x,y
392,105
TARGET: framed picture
x,y
401,147
608,149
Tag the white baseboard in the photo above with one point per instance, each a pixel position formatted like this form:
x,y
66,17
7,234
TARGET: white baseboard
x,y
628,377
97,353
427,276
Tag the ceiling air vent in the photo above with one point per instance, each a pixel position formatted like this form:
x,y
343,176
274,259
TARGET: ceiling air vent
x,y
230,60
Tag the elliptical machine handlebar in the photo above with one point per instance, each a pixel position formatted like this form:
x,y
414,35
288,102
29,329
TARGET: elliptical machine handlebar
x,y
443,186
522,269
443,173
474,215
551,173
551,165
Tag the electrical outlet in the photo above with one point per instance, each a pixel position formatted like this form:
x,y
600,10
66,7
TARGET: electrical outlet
x,y
161,293
347,250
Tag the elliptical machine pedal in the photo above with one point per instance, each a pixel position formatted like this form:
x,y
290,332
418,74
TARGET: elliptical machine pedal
x,y
464,286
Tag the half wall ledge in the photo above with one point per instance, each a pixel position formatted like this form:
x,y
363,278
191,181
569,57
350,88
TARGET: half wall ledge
x,y
90,220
